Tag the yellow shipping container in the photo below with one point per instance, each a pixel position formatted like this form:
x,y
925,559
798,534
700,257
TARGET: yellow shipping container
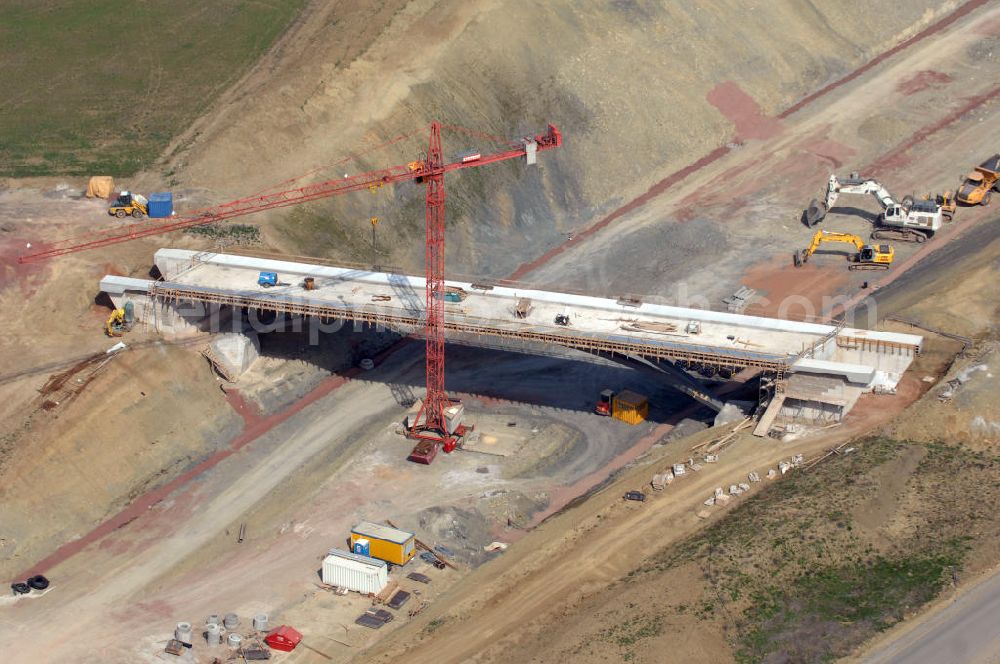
x,y
630,407
388,544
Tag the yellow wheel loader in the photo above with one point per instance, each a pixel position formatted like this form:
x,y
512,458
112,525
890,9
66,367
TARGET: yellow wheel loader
x,y
129,205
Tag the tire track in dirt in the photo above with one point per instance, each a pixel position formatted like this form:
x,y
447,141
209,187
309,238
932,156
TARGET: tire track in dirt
x,y
719,152
961,12
898,157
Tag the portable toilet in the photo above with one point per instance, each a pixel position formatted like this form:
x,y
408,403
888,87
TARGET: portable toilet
x,y
363,547
389,544
160,205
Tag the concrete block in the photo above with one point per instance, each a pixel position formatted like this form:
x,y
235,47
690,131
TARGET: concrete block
x,y
731,412
661,480
771,474
744,486
236,352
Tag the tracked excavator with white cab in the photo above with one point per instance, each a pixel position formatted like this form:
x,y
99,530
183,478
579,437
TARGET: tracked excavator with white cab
x,y
908,220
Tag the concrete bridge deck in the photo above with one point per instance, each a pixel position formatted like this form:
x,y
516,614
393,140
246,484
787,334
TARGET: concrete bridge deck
x,y
595,324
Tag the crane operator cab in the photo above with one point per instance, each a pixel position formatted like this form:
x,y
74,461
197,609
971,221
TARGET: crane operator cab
x,y
868,253
873,257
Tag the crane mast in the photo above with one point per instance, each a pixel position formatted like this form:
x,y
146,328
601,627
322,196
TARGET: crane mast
x,y
431,421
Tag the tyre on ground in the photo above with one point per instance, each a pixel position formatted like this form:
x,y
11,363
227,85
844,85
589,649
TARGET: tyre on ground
x,y
38,582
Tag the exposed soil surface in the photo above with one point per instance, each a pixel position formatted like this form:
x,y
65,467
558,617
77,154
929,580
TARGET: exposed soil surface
x,y
674,182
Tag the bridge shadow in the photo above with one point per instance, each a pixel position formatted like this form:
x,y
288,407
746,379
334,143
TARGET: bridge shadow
x,y
560,379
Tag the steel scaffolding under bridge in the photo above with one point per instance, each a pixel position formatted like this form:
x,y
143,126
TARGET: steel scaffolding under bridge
x,y
624,327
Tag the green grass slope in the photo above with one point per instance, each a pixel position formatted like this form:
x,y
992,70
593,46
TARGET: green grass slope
x,y
101,86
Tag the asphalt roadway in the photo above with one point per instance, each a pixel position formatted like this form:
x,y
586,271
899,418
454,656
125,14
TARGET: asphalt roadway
x,y
967,632
971,247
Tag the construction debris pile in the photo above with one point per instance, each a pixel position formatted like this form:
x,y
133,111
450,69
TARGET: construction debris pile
x,y
740,300
221,634
711,450
722,497
963,377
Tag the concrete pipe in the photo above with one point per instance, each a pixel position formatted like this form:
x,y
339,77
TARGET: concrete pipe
x,y
183,632
213,635
213,619
231,621
260,622
234,640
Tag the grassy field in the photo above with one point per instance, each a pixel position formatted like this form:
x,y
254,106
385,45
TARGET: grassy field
x,y
814,565
101,86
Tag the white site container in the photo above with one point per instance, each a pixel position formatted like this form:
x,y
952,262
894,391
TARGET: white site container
x,y
359,573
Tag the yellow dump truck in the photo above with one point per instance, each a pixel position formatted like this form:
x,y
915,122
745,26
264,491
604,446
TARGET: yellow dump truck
x,y
976,188
389,544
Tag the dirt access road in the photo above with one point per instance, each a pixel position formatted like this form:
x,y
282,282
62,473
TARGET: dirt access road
x,y
942,133
143,578
301,485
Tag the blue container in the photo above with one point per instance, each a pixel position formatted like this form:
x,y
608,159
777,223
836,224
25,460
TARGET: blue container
x,y
161,205
363,547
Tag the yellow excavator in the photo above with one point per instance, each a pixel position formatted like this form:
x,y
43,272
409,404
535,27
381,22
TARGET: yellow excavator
x,y
120,321
868,256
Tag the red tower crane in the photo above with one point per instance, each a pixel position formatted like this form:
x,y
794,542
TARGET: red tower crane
x,y
430,423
